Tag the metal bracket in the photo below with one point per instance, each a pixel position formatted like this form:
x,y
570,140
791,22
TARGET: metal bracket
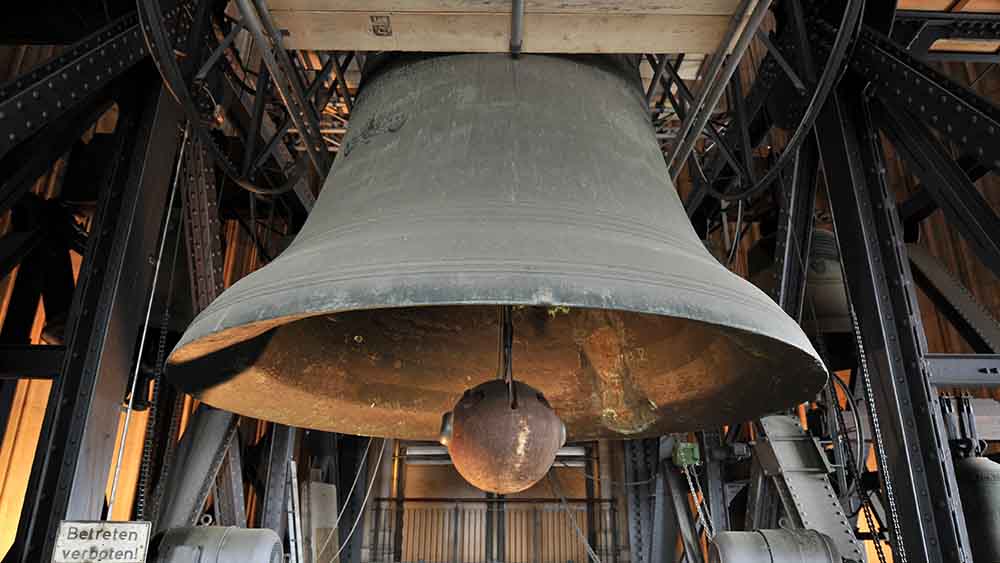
x,y
799,470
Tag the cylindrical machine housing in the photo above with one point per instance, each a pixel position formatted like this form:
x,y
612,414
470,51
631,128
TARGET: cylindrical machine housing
x,y
219,544
773,546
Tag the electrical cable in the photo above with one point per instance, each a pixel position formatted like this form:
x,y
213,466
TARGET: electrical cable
x,y
613,483
831,76
569,515
361,511
145,480
350,492
860,459
145,327
738,234
990,67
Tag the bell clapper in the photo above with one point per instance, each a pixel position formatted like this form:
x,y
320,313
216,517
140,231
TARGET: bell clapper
x,y
502,435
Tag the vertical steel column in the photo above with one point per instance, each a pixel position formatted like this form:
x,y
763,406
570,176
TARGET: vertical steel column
x,y
591,466
916,468
640,466
710,442
678,495
282,447
199,457
75,448
350,449
490,526
229,499
795,226
667,519
399,491
205,264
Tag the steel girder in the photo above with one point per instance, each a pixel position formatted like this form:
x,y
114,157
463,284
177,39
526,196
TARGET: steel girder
x,y
945,181
74,453
899,79
799,470
40,97
968,316
915,463
918,30
963,370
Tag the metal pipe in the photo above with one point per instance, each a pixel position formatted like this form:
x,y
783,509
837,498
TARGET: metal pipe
x,y
850,26
300,110
516,27
324,130
712,92
198,458
657,73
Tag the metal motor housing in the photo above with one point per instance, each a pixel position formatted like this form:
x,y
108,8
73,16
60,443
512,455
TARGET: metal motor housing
x,y
219,544
773,546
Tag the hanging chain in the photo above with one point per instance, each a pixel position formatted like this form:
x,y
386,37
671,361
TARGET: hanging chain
x,y
867,511
883,459
112,496
698,503
149,443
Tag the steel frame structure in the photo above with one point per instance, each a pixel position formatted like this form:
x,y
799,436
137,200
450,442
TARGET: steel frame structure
x,y
882,84
919,30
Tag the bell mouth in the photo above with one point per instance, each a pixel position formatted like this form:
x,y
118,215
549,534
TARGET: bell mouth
x,y
395,372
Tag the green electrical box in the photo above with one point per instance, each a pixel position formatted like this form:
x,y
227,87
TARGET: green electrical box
x,y
685,454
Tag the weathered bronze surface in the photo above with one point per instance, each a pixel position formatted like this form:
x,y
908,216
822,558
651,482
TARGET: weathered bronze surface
x,y
470,181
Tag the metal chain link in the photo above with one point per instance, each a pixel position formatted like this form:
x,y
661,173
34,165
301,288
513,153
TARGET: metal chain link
x,y
149,441
883,458
867,511
695,493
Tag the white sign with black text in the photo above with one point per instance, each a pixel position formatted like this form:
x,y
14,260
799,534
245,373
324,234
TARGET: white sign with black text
x,y
96,542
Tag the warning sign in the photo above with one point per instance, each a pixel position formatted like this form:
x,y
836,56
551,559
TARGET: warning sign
x,y
95,542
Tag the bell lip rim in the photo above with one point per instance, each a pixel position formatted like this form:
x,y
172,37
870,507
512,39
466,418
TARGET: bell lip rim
x,y
812,376
782,327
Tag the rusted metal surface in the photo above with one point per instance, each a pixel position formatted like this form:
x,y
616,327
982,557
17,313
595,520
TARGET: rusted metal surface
x,y
394,372
502,448
472,181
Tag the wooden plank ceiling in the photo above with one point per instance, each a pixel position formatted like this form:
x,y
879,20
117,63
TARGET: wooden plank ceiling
x,y
550,26
958,45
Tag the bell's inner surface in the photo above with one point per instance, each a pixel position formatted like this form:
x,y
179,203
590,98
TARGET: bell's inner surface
x,y
471,181
393,372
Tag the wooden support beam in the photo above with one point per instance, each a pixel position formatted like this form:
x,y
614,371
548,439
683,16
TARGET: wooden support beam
x,y
601,7
490,32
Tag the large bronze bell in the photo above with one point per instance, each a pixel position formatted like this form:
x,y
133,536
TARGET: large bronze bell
x,y
471,181
826,313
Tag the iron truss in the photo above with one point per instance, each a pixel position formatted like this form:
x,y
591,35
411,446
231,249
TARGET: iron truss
x,y
889,88
919,30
